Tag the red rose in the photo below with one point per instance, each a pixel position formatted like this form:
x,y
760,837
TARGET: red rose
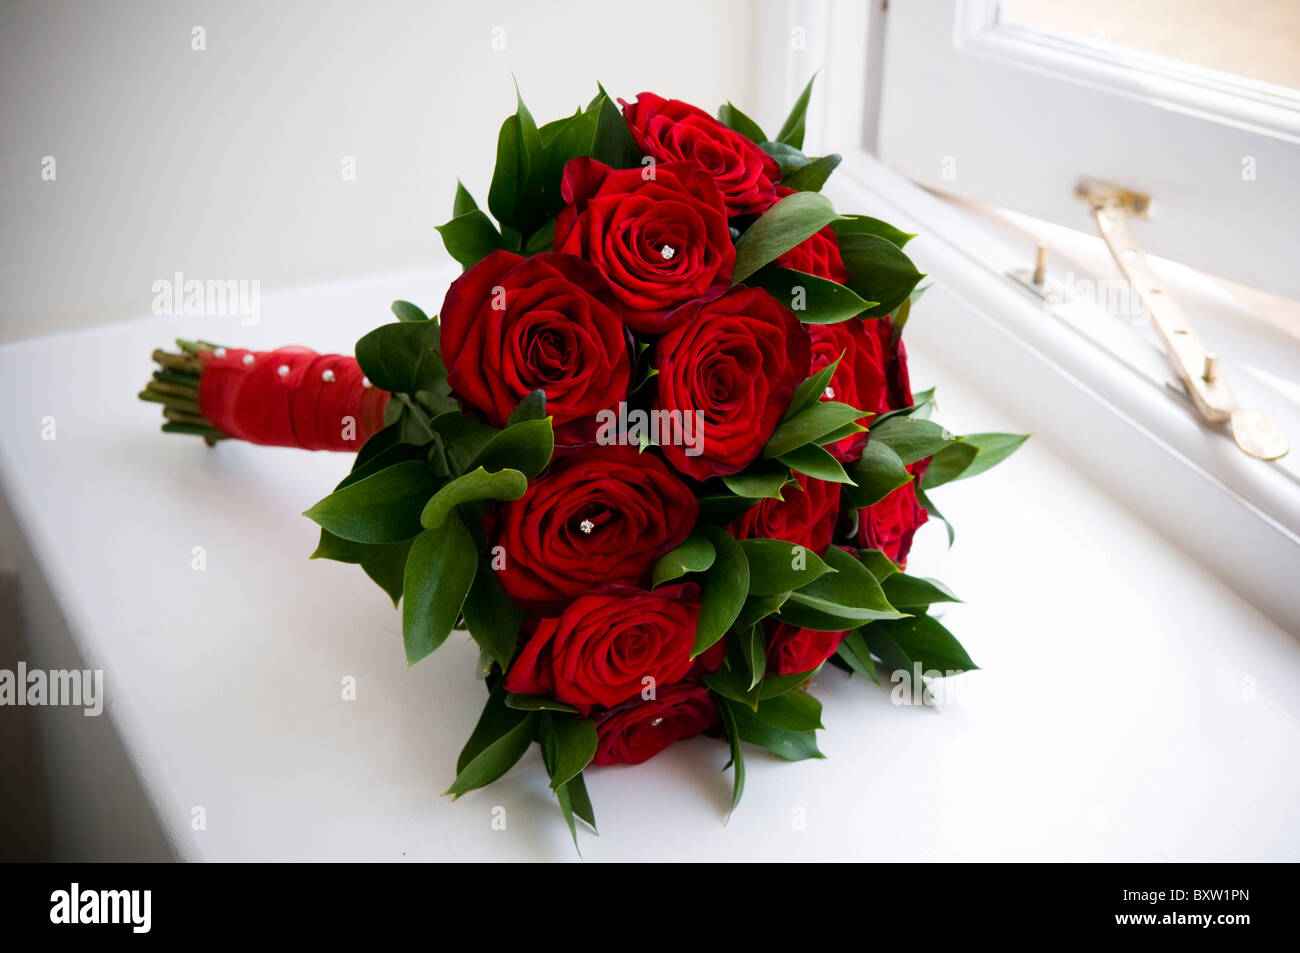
x,y
659,235
598,651
860,378
512,325
791,650
817,255
634,732
806,515
671,130
602,515
736,360
889,524
898,384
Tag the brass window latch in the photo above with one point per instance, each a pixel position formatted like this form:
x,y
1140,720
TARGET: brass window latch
x,y
1197,368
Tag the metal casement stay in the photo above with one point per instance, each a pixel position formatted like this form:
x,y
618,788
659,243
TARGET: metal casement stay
x,y
1114,208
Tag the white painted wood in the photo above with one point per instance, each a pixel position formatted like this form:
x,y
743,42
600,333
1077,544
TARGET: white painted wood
x,y
1131,705
1013,118
1112,418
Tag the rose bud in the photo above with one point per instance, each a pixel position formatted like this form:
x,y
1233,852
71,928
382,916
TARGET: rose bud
x,y
736,360
639,730
805,515
512,325
791,650
671,130
601,649
860,377
817,255
659,235
889,524
602,515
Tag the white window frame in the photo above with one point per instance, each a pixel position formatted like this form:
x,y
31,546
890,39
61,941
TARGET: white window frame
x,y
1182,134
1102,403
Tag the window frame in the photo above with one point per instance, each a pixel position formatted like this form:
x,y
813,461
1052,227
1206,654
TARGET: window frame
x,y
1102,404
1189,137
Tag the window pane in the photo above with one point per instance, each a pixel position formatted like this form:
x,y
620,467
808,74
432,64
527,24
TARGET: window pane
x,y
1258,39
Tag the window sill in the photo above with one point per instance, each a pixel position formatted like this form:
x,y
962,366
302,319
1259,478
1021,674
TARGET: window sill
x,y
1095,391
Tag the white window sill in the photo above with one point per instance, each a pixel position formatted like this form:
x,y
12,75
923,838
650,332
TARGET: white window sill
x,y
1129,702
1097,392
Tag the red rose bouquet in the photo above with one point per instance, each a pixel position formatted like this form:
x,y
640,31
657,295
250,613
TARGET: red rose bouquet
x,y
658,454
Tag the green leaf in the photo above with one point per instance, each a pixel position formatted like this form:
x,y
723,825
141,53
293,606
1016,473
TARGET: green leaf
x,y
725,586
757,608
695,554
813,300
495,722
463,436
901,645
542,240
720,509
795,710
947,465
387,567
878,270
525,446
532,407
813,176
403,357
810,390
478,484
496,758
565,800
792,130
913,592
791,745
911,437
503,194
777,566
787,223
573,742
853,650
760,480
382,508
787,157
811,425
850,593
975,454
439,572
492,617
923,498
866,225
406,311
737,762
774,685
581,801
735,679
470,238
612,143
537,703
464,202
877,473
733,118
753,647
816,462
877,563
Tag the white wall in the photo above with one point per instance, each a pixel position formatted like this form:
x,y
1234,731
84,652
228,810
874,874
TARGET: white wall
x,y
226,163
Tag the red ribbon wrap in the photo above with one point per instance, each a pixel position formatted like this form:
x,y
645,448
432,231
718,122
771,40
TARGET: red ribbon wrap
x,y
252,400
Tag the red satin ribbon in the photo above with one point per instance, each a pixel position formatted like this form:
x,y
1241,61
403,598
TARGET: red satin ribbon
x,y
245,396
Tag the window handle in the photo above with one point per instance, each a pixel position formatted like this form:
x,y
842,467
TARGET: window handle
x,y
1114,209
